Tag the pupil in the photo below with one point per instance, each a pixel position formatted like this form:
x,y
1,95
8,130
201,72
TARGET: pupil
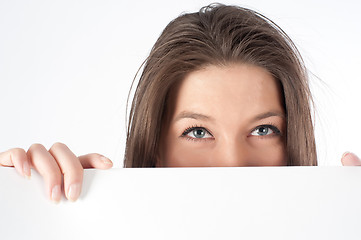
x,y
199,133
263,130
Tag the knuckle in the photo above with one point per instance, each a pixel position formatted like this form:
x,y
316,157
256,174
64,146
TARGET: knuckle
x,y
35,147
17,152
58,145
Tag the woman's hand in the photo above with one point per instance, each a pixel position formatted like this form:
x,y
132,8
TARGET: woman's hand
x,y
350,159
54,165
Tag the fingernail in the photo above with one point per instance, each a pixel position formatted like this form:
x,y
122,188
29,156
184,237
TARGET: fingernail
x,y
106,160
344,154
56,194
26,170
74,192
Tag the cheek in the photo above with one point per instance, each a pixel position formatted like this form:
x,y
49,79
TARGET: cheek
x,y
268,154
178,153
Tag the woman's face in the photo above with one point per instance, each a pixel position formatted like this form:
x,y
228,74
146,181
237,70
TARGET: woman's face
x,y
227,116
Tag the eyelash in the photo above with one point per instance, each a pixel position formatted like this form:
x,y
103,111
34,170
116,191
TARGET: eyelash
x,y
189,129
276,132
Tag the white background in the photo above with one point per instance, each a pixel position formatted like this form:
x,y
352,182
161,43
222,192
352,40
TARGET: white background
x,y
66,68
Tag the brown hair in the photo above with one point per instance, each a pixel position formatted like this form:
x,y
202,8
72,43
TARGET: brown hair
x,y
219,35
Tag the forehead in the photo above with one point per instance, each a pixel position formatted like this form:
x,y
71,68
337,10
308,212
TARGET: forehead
x,y
231,90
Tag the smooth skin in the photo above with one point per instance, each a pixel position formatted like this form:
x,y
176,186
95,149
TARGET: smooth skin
x,y
225,132
228,116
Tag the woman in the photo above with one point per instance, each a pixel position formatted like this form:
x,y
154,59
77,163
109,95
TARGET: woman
x,y
224,86
219,36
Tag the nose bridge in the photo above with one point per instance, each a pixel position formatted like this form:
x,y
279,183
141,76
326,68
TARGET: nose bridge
x,y
231,153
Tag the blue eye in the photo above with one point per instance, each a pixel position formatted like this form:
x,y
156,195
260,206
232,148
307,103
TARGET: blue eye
x,y
265,130
196,133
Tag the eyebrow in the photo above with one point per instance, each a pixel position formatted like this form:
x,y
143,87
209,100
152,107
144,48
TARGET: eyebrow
x,y
269,114
193,115
199,116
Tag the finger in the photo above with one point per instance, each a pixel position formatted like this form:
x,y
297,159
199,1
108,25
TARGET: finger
x,y
95,160
17,158
71,168
46,165
350,159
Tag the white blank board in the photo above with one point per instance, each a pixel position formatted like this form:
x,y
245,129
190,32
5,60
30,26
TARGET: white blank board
x,y
189,203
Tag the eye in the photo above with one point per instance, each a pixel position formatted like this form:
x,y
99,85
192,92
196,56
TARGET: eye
x,y
265,130
195,133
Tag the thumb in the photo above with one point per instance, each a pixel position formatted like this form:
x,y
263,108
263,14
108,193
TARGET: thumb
x,y
350,159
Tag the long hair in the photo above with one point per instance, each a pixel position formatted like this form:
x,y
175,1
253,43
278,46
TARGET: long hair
x,y
219,35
